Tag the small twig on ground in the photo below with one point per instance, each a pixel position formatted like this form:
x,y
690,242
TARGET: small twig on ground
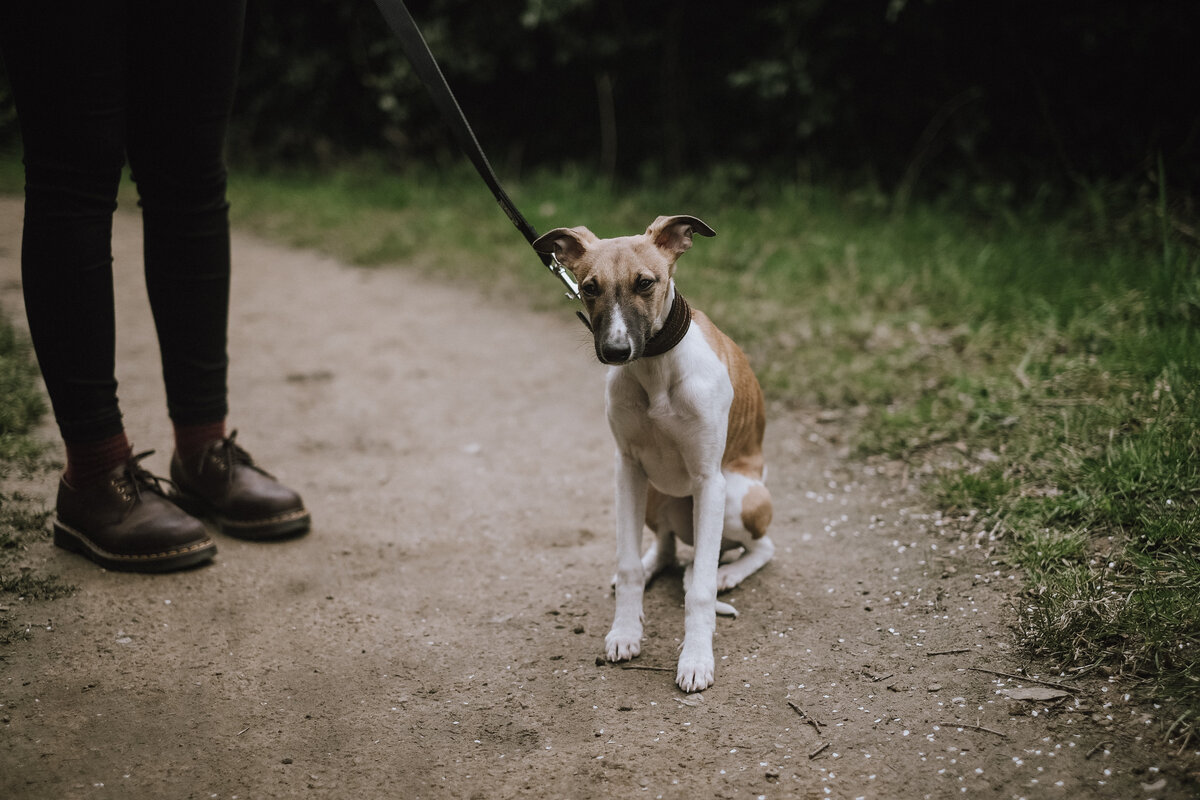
x,y
1099,746
1064,687
243,730
949,652
804,716
1175,724
973,727
818,751
1186,740
647,668
882,677
996,527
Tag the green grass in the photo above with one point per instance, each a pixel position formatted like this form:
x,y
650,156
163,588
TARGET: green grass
x,y
22,409
22,521
1039,361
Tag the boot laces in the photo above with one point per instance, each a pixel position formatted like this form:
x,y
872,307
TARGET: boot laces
x,y
228,452
138,478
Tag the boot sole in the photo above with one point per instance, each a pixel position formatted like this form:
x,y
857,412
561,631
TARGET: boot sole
x,y
288,525
179,558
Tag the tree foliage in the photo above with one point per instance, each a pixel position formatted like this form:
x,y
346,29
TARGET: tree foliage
x,y
909,93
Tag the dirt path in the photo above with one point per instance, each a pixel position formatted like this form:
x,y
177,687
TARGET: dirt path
x,y
437,635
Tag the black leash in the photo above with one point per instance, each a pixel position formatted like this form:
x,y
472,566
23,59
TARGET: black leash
x,y
427,69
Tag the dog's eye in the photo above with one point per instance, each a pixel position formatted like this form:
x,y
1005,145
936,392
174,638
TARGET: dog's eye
x,y
645,284
591,289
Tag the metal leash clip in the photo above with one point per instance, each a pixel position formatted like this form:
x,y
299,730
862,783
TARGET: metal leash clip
x,y
555,266
563,275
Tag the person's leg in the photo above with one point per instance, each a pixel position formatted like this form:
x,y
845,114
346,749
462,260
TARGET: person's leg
x,y
68,68
183,62
66,65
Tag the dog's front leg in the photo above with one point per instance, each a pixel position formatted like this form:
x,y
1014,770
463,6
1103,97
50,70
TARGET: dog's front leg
x,y
696,664
624,640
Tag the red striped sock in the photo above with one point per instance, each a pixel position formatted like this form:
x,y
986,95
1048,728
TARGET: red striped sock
x,y
89,462
190,440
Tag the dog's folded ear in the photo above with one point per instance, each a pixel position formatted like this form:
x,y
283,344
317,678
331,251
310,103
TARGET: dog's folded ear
x,y
567,244
674,234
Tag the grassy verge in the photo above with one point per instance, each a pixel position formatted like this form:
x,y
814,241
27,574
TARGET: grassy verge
x,y
1040,365
22,521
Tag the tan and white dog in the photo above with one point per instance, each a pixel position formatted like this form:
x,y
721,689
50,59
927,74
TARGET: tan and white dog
x,y
687,415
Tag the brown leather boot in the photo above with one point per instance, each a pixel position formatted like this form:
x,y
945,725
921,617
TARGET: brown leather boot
x,y
244,501
128,522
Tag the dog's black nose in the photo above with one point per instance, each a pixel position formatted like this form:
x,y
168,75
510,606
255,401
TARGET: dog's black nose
x,y
615,353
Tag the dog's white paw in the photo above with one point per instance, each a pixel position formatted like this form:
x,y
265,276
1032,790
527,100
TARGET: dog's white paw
x,y
622,645
729,576
695,670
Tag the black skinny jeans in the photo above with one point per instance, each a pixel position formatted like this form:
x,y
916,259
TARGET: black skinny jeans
x,y
95,82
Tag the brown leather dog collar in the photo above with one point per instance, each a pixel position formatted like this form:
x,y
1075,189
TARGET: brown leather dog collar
x,y
679,319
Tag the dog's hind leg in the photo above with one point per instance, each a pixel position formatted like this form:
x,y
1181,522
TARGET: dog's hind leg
x,y
660,555
747,515
664,516
723,609
668,517
757,554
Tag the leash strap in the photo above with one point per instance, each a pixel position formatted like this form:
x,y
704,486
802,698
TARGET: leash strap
x,y
427,69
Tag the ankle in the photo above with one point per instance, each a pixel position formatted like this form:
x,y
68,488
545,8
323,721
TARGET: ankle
x,y
89,462
192,440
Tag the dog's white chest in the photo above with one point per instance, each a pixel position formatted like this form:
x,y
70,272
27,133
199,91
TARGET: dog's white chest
x,y
646,432
671,416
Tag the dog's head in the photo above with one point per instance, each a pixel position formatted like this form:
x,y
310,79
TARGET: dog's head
x,y
625,282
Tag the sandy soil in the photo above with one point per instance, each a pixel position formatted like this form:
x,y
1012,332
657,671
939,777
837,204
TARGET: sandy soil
x,y
438,633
